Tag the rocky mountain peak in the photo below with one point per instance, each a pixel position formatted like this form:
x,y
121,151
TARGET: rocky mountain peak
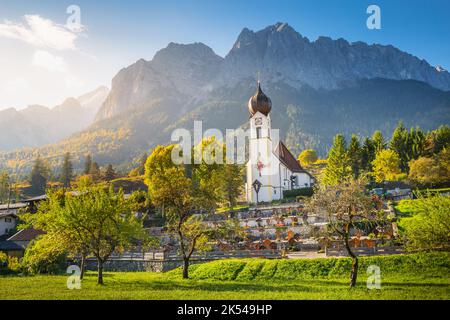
x,y
179,58
94,99
278,53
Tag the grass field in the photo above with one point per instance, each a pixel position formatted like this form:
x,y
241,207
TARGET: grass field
x,y
250,279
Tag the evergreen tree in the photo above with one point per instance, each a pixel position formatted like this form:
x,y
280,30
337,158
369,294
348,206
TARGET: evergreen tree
x,y
5,185
95,170
400,144
110,174
367,154
66,171
378,141
437,140
338,165
441,138
38,177
87,164
417,143
355,155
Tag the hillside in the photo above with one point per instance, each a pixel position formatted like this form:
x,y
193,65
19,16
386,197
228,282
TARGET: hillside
x,y
39,125
318,88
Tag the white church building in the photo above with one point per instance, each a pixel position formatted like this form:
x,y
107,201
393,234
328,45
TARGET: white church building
x,y
271,168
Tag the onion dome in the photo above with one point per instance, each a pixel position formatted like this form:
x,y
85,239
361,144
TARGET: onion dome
x,y
259,102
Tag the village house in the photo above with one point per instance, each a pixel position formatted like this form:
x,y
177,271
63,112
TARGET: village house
x,y
9,217
14,242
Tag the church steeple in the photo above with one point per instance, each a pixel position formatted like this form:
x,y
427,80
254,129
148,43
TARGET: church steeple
x,y
259,102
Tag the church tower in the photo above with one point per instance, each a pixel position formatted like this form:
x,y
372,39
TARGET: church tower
x,y
260,167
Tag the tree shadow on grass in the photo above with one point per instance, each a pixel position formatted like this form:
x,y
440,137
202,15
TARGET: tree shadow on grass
x,y
204,285
415,284
159,282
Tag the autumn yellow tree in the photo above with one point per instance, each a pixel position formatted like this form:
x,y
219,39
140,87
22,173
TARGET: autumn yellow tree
x,y
386,166
186,192
308,157
431,171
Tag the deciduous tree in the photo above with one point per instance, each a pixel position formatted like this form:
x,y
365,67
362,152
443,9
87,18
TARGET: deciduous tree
x,y
386,166
95,221
429,227
184,190
431,171
308,157
342,206
232,183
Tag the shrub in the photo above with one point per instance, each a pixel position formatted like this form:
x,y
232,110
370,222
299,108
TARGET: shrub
x,y
3,261
9,264
295,269
305,192
428,229
14,264
42,256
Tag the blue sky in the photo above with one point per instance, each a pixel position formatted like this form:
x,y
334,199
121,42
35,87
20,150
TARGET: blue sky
x,y
117,33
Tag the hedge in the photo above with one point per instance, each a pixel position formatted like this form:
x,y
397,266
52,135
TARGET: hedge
x,y
305,192
294,269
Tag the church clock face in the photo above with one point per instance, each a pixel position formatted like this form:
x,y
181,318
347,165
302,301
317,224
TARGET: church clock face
x,y
258,121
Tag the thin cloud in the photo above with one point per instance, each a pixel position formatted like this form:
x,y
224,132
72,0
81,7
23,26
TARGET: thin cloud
x,y
46,60
40,32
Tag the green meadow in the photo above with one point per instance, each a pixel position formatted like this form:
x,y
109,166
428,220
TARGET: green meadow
x,y
413,276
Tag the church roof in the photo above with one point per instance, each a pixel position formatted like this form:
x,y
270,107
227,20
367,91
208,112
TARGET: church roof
x,y
286,158
259,102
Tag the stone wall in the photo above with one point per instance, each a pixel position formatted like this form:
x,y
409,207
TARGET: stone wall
x,y
164,261
132,265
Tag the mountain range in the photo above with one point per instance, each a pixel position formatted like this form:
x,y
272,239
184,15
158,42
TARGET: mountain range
x,y
38,125
318,88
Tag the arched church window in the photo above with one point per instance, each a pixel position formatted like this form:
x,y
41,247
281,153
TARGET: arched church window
x,y
258,132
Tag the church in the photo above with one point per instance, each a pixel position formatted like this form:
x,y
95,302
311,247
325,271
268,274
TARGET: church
x,y
271,168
